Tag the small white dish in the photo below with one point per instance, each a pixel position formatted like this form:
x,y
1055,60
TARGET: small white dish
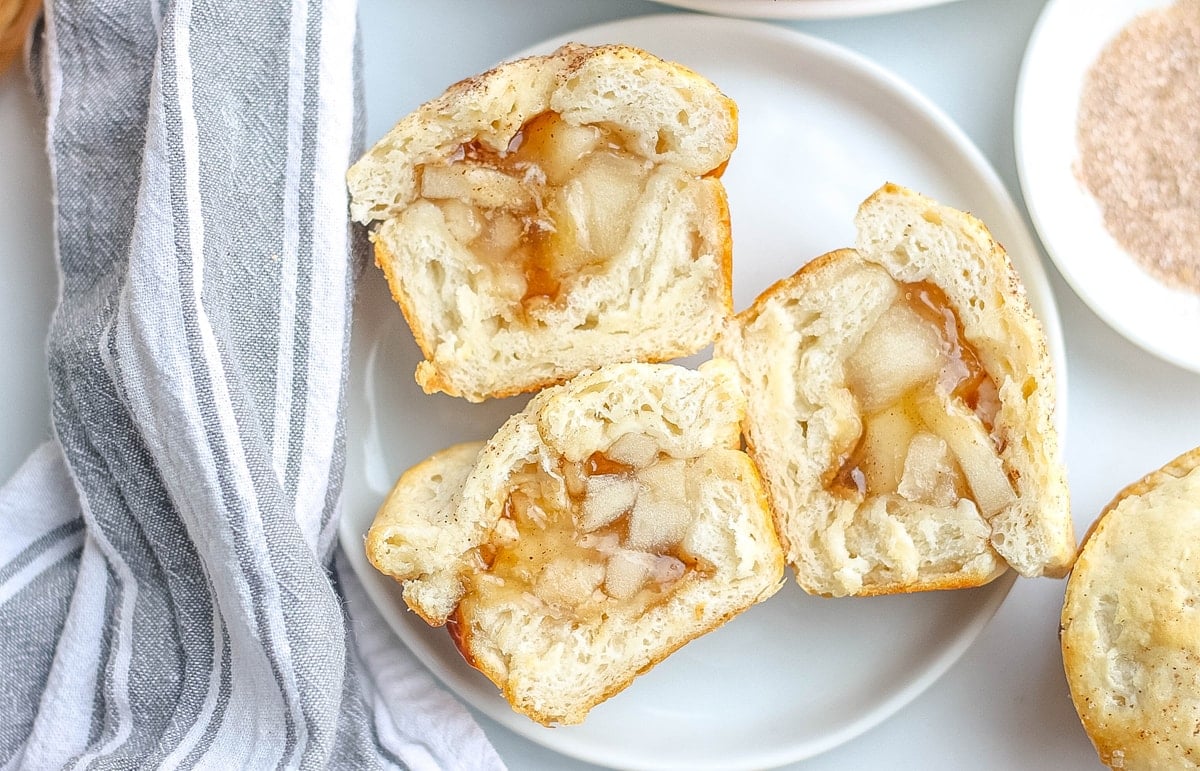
x,y
820,129
1068,38
801,9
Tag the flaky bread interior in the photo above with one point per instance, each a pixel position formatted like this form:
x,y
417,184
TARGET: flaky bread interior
x,y
1131,623
554,214
612,521
416,532
901,404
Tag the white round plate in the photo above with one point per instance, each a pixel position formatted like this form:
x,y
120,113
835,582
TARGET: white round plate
x,y
820,130
801,9
1068,38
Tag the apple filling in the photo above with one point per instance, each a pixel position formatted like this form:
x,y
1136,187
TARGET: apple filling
x,y
928,411
555,204
609,532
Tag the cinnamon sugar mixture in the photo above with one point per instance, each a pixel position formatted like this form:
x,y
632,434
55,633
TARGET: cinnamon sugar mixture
x,y
1139,141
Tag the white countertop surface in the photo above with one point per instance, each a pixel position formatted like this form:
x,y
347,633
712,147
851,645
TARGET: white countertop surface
x,y
1005,703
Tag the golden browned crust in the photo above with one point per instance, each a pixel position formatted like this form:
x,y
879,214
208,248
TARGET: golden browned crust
x,y
945,584
386,261
724,256
804,276
463,640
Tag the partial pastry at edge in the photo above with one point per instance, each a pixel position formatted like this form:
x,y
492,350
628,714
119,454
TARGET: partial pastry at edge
x,y
552,215
1131,623
612,521
901,409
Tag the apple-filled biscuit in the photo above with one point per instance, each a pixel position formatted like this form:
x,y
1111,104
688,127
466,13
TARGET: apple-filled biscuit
x,y
552,215
610,522
1131,623
901,403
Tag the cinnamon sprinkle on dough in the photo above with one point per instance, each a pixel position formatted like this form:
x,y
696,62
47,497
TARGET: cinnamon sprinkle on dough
x,y
1139,141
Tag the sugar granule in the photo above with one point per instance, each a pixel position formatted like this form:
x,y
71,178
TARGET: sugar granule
x,y
1138,133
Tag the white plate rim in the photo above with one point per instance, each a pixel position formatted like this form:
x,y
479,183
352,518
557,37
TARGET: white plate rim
x,y
802,9
1066,39
463,681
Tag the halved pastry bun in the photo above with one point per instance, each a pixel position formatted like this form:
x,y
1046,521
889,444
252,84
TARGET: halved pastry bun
x,y
552,215
610,522
1131,623
901,403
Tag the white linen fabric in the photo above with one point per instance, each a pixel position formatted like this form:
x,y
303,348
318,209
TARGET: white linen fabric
x,y
170,592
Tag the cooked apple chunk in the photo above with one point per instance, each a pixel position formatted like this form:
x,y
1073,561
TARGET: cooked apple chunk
x,y
605,498
627,572
884,447
559,146
929,475
977,455
479,186
604,530
559,200
633,449
900,352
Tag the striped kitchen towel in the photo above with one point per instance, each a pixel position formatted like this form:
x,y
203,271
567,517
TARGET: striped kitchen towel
x,y
170,591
